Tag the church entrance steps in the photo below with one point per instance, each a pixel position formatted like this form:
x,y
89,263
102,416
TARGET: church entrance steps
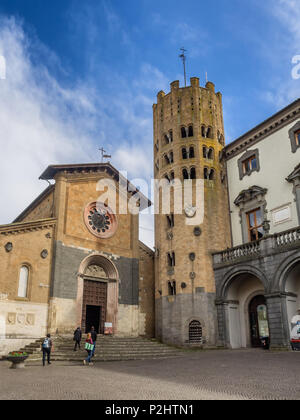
x,y
107,349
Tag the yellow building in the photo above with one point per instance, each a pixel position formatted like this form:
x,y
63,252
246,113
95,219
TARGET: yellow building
x,y
68,261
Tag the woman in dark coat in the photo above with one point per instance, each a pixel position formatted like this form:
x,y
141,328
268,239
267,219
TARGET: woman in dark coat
x,y
77,338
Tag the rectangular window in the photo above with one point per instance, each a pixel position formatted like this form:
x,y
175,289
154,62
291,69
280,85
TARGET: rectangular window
x,y
249,165
255,229
297,137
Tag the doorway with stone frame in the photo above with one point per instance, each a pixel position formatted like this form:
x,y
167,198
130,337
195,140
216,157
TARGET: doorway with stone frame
x,y
97,297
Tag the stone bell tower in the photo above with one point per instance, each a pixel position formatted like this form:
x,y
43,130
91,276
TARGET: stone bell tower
x,y
188,143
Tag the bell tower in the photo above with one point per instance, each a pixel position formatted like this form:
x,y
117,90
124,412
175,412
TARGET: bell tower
x,y
188,144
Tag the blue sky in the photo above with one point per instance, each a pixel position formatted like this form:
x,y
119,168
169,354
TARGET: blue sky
x,y
84,74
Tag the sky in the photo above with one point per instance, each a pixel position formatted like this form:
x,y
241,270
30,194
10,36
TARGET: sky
x,y
81,75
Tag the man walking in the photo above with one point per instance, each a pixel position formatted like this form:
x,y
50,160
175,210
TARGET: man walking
x,y
77,338
94,338
47,346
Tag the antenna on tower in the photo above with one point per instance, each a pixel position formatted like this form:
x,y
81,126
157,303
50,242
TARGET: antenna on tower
x,y
104,155
206,79
183,57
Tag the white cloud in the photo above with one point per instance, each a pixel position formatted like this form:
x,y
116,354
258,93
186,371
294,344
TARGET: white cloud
x,y
44,122
283,88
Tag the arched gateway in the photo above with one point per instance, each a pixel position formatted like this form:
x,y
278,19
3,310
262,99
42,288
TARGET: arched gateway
x,y
97,297
245,309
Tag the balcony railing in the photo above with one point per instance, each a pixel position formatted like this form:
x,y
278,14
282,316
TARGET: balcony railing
x,y
246,250
270,244
289,237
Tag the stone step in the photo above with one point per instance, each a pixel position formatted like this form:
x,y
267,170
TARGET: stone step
x,y
103,353
108,349
79,360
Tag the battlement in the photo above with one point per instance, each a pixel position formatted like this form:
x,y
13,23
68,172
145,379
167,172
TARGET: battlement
x,y
194,83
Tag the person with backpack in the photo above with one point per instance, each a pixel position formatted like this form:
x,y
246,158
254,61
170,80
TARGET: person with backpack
x,y
47,347
77,338
89,346
94,338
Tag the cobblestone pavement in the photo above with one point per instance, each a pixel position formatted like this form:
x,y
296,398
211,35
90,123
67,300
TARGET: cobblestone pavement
x,y
217,374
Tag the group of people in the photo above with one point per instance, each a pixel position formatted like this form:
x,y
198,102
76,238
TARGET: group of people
x,y
90,346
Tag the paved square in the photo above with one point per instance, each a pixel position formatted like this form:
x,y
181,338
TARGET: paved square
x,y
220,374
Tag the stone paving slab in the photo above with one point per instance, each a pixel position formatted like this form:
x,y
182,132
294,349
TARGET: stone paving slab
x,y
198,375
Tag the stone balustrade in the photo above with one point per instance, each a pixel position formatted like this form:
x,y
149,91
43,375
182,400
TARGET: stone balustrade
x,y
270,244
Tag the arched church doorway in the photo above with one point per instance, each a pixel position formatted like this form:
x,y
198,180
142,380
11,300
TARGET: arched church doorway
x,y
97,298
258,317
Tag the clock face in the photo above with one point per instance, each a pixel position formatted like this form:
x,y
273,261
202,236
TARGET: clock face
x,y
100,220
190,211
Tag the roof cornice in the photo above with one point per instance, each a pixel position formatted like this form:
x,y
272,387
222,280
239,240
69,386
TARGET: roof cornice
x,y
265,129
24,227
93,169
35,203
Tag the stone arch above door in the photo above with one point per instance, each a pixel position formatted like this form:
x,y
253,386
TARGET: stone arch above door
x,y
99,268
102,261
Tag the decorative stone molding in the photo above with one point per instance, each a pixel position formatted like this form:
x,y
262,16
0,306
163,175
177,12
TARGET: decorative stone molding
x,y
266,129
294,178
292,135
248,200
25,227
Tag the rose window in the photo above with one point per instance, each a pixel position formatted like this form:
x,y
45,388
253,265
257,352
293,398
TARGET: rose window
x,y
100,220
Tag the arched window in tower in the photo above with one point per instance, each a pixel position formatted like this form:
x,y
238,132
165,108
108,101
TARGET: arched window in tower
x,y
23,282
211,175
183,133
167,140
206,173
203,131
171,157
210,154
191,131
171,136
204,152
157,145
172,176
185,173
166,160
191,152
184,153
170,220
171,259
157,165
172,288
209,133
167,177
193,173
195,332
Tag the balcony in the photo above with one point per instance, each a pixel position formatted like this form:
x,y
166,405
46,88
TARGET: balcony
x,y
269,245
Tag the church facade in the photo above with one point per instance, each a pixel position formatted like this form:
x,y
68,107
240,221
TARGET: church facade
x,y
73,257
67,261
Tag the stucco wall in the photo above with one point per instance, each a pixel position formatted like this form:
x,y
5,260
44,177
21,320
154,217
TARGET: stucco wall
x,y
276,162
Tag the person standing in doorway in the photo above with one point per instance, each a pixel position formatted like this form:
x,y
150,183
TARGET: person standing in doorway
x,y
94,338
47,347
77,338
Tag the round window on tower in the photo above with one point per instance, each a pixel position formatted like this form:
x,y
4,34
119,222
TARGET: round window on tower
x,y
100,220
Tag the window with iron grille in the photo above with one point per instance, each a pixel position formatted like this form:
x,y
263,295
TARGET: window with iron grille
x,y
195,332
